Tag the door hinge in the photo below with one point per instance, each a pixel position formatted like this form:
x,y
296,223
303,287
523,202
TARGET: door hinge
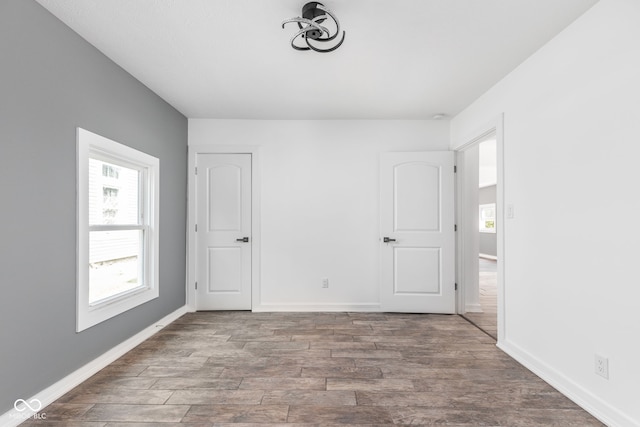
x,y
455,227
455,169
197,286
456,287
196,168
196,228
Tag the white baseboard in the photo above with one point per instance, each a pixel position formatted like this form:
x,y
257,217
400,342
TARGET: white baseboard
x,y
473,308
486,256
363,307
47,396
600,409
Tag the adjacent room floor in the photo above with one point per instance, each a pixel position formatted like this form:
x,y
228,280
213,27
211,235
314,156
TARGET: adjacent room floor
x,y
316,369
488,319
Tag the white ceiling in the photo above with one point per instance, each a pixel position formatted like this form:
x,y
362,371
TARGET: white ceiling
x,y
401,59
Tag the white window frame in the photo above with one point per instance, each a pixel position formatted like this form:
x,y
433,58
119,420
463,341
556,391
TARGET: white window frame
x,y
91,145
484,229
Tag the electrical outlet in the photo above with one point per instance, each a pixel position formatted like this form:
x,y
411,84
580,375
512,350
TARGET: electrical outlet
x,y
325,283
602,366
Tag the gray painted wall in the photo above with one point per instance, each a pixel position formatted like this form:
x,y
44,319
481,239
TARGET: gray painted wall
x,y
51,81
488,242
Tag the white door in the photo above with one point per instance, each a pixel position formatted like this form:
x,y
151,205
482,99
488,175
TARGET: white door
x,y
223,232
417,232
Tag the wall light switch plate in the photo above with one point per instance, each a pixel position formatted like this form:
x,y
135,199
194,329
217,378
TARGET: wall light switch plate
x,y
511,211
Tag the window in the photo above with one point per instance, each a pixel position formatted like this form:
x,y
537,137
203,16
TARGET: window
x,y
117,228
488,218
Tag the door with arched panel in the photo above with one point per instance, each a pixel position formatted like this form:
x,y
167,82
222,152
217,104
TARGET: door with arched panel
x,y
223,232
417,236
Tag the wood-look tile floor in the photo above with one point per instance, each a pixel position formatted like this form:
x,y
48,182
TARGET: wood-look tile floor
x,y
488,281
315,369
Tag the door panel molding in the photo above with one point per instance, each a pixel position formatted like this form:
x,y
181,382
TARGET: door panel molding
x,y
226,217
407,197
421,276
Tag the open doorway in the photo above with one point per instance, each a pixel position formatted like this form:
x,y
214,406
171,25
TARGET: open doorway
x,y
480,205
485,314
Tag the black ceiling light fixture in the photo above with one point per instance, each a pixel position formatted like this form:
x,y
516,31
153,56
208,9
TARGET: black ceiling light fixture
x,y
310,30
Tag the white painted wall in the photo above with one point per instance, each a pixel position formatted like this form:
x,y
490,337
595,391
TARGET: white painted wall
x,y
319,208
571,135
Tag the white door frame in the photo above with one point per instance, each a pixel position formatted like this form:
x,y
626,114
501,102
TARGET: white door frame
x,y
465,205
193,151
